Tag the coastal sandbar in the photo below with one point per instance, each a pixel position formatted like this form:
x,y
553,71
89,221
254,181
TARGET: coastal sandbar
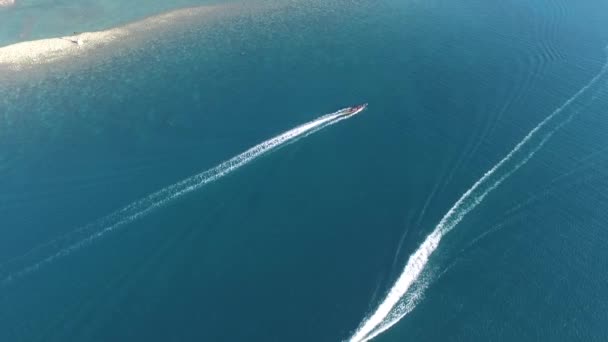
x,y
43,51
6,3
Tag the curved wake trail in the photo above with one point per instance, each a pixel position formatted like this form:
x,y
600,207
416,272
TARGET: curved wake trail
x,y
74,241
392,309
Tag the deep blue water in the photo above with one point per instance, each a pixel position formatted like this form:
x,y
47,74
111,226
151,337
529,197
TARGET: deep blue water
x,y
304,242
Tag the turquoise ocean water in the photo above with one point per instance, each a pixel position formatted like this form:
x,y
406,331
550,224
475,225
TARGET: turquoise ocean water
x,y
305,242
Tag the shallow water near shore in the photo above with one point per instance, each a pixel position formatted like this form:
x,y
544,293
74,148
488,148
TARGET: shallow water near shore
x,y
304,242
39,19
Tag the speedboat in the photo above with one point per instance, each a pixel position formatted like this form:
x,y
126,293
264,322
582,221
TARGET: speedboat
x,y
348,111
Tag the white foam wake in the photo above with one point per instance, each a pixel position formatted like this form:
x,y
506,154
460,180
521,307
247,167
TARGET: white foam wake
x,y
92,232
391,309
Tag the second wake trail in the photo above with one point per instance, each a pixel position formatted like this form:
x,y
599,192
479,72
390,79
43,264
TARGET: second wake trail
x,y
403,296
68,244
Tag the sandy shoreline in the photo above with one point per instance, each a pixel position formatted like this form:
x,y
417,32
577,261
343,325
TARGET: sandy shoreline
x,y
6,3
30,53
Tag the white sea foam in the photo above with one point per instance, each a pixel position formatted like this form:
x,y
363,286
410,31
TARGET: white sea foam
x,y
392,309
84,236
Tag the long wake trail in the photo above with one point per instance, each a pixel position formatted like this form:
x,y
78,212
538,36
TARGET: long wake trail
x,y
398,301
68,244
